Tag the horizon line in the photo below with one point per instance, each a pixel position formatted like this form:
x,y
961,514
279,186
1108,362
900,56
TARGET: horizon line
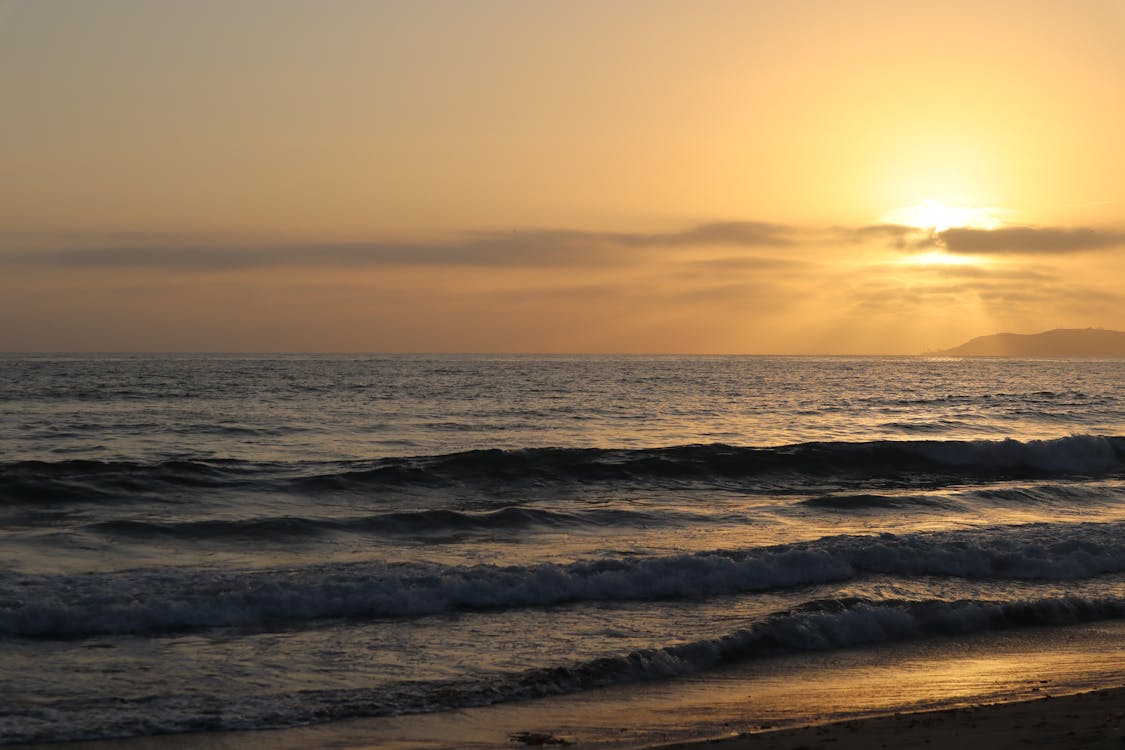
x,y
939,354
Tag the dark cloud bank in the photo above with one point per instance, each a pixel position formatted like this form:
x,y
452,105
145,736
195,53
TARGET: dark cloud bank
x,y
1030,240
548,247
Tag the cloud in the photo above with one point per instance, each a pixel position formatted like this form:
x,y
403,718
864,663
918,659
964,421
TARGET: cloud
x,y
741,233
975,272
533,251
999,293
897,236
535,248
1070,299
528,248
968,274
747,263
882,297
580,293
760,293
1030,240
969,241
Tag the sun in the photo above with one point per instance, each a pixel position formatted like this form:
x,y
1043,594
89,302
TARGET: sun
x,y
930,218
938,217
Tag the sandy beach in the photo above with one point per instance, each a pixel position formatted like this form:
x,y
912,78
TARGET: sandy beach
x,y
1094,719
1088,720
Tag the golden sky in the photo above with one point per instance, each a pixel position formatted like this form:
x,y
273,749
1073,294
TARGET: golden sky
x,y
810,176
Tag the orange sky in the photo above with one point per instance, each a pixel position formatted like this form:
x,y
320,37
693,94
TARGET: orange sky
x,y
273,175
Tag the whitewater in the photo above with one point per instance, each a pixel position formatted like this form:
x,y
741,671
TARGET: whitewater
x,y
204,543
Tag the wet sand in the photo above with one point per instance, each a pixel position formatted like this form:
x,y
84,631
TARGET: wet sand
x,y
1088,720
1094,719
1050,688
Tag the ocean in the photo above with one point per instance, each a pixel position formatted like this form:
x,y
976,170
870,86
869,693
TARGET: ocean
x,y
203,543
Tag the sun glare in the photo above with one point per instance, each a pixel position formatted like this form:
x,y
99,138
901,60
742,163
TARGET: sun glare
x,y
939,258
930,214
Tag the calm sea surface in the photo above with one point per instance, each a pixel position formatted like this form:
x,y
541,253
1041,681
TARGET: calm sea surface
x,y
197,543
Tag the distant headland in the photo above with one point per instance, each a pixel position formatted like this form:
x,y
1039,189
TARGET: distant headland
x,y
1061,342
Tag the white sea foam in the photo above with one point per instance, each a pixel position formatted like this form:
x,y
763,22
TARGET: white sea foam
x,y
141,601
1079,454
818,626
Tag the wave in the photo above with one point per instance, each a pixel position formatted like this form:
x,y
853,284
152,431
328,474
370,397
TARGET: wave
x,y
815,626
142,601
824,625
867,501
1075,494
1049,494
906,463
933,426
412,523
90,481
1079,454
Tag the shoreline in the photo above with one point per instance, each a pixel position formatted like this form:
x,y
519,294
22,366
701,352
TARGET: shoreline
x,y
1091,719
1046,687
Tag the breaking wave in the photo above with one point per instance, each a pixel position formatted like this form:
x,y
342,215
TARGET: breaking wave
x,y
143,601
813,626
908,463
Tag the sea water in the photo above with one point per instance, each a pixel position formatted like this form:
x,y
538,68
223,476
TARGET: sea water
x,y
215,542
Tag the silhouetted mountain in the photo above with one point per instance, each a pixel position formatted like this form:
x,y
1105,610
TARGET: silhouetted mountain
x,y
1061,342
